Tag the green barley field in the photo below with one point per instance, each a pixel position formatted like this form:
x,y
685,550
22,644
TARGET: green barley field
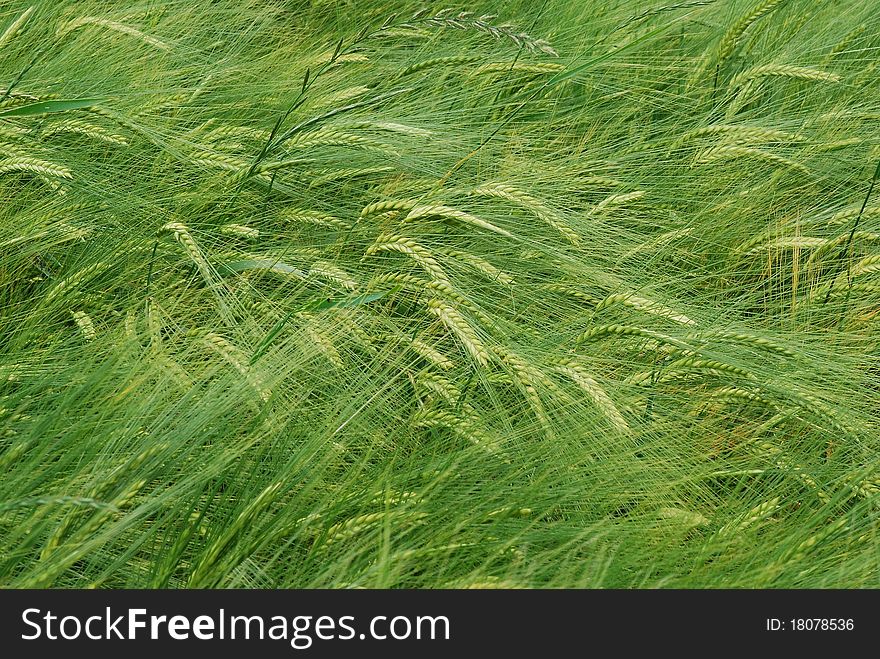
x,y
377,293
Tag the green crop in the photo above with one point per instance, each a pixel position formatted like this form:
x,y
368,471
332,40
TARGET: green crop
x,y
355,294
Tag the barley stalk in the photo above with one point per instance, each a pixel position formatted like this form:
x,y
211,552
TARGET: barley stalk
x,y
790,242
451,294
867,265
726,152
615,200
333,273
526,376
712,366
582,378
745,339
386,206
630,330
454,60
848,214
182,235
739,134
427,352
801,551
456,323
466,427
115,27
421,255
540,210
520,67
34,166
75,279
210,557
15,26
732,37
783,71
644,304
465,20
739,394
238,360
440,386
481,265
316,218
445,212
685,519
753,516
85,325
240,231
87,129
326,136
341,96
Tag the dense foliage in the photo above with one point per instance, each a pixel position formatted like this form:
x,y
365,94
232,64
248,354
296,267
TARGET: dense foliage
x,y
363,293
